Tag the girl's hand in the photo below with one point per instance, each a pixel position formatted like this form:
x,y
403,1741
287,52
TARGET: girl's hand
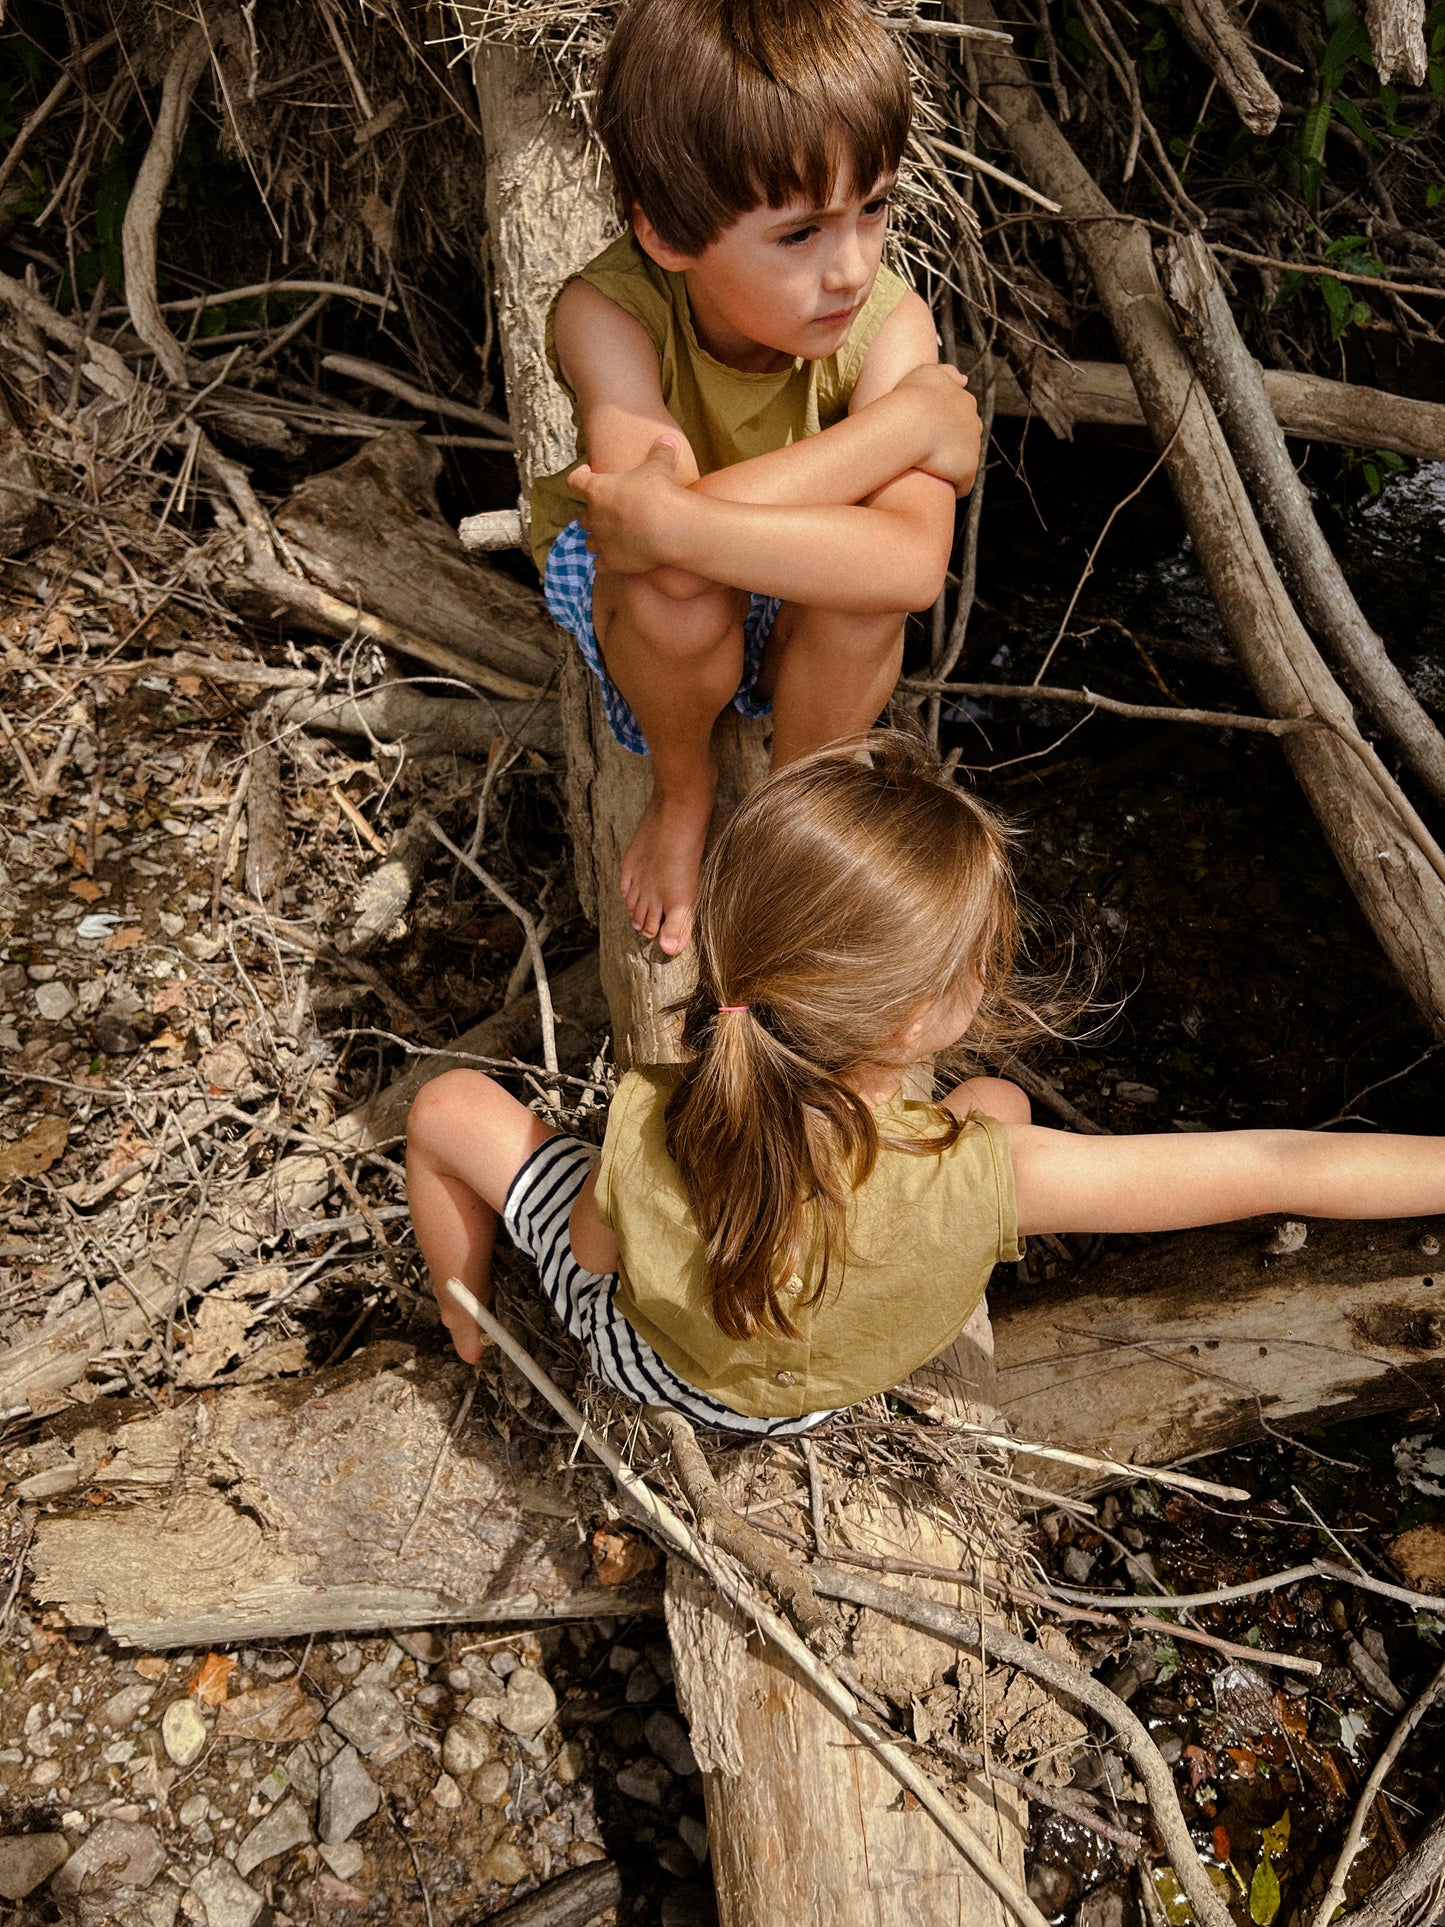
x,y
950,415
629,515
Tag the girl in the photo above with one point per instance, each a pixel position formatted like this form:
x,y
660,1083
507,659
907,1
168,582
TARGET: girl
x,y
774,1230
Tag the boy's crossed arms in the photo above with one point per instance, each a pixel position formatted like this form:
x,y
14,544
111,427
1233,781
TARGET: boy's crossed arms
x,y
848,529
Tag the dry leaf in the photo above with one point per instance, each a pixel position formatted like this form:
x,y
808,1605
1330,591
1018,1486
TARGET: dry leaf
x,y
168,997
166,1039
277,1360
126,939
36,1151
152,1666
226,1068
619,1556
219,1335
87,889
271,1714
378,219
188,685
209,1683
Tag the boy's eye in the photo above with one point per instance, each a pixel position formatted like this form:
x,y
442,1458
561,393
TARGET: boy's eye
x,y
872,209
798,236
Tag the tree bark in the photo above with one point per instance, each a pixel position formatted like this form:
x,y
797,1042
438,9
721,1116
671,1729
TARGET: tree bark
x,y
1391,876
1307,407
426,725
1217,34
23,520
1397,36
1231,378
333,1503
1201,1342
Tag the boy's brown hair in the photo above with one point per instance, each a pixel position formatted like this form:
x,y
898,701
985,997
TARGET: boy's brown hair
x,y
709,108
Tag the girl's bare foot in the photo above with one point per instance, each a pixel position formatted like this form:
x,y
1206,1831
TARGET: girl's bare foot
x,y
659,871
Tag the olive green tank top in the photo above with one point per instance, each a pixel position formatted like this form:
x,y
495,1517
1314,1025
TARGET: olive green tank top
x,y
924,1232
727,415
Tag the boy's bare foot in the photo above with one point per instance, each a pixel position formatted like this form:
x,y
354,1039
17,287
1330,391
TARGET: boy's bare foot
x,y
659,871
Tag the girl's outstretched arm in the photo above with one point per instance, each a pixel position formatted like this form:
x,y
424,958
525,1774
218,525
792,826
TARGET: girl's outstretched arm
x,y
1174,1180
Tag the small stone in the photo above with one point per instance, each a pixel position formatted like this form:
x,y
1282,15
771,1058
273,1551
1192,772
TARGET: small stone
x,y
118,1853
504,1864
427,1646
227,1899
368,1716
126,1705
447,1793
674,1858
344,1859
622,1659
53,1001
693,1835
27,1860
183,1731
492,1783
273,1786
531,1703
45,1773
459,1679
285,1826
645,1780
118,1752
1428,1244
569,1764
1289,1236
504,1663
466,1746
349,1796
1136,1093
299,1767
194,1810
642,1685
667,1736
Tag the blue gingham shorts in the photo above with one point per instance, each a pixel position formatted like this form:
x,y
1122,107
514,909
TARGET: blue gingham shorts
x,y
539,1204
567,585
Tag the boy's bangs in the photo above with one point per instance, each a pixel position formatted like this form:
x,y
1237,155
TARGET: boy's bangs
x,y
808,149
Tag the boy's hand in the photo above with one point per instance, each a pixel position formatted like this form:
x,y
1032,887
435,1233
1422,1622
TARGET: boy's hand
x,y
953,426
628,515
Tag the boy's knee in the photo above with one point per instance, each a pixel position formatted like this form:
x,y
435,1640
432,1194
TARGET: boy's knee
x,y
443,1104
676,626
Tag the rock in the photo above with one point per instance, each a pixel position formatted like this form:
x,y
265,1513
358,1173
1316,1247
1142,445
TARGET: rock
x,y
284,1827
667,1736
299,1766
691,1905
27,1860
674,1858
119,1853
530,1705
426,1646
622,1659
46,1773
368,1716
344,1859
492,1783
53,1001
569,1764
194,1811
466,1745
693,1835
645,1780
349,1796
642,1685
1051,1888
446,1793
183,1732
113,1034
504,1662
459,1679
227,1899
504,1864
1288,1236
1105,1906
126,1705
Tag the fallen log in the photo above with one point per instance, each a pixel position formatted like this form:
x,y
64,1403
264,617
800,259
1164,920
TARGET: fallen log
x,y
336,1503
1202,1342
1217,33
425,725
1307,407
1388,864
223,1235
1231,378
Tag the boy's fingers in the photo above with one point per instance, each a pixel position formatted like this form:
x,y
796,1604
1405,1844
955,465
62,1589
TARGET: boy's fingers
x,y
580,480
664,450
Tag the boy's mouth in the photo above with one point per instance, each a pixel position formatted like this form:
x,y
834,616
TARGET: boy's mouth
x,y
837,316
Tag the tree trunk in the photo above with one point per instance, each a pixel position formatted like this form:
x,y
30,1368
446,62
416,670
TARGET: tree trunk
x,y
334,1503
1391,876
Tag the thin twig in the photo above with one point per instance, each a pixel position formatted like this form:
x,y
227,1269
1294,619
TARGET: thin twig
x,y
1141,712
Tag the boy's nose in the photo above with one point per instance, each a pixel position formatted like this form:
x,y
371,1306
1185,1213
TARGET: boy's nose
x,y
847,268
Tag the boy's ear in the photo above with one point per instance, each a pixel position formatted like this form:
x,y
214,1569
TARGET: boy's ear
x,y
670,259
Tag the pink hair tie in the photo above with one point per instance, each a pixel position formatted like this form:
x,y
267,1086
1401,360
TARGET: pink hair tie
x,y
727,1009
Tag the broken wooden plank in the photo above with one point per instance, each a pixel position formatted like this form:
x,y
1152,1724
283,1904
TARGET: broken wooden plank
x,y
311,1506
1202,1341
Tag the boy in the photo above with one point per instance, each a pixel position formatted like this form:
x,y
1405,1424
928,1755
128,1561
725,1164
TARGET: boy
x,y
771,450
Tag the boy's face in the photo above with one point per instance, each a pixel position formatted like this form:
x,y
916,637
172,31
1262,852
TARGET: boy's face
x,y
782,281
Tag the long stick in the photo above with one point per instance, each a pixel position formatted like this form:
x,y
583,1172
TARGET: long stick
x,y
529,931
674,1533
1184,1480
1335,1892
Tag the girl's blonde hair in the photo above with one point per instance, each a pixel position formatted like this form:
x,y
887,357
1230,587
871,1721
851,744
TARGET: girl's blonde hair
x,y
849,892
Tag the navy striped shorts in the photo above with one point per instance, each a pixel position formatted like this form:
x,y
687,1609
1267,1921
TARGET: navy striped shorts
x,y
539,1204
567,585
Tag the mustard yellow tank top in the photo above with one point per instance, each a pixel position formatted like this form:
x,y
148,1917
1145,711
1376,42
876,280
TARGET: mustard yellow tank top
x,y
924,1232
727,415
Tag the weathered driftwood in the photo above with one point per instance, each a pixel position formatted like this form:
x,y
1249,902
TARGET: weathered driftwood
x,y
1390,870
372,533
1200,1342
424,725
335,1503
1231,378
1397,38
229,1230
1307,407
1217,33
